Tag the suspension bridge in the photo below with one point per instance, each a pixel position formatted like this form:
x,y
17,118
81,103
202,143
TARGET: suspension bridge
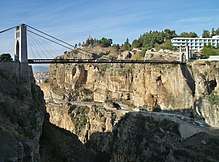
x,y
22,52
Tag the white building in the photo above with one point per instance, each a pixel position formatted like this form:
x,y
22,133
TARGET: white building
x,y
195,44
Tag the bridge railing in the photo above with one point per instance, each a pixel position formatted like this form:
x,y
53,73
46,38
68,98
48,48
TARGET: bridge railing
x,y
99,61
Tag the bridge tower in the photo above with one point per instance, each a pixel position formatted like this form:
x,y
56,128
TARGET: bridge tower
x,y
21,44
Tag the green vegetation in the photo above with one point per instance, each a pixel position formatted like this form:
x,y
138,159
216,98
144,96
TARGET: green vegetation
x,y
188,34
166,45
104,42
154,39
208,50
80,119
151,39
208,34
138,56
5,57
126,45
213,99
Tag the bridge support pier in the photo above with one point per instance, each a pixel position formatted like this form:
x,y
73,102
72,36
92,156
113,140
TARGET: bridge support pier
x,y
21,44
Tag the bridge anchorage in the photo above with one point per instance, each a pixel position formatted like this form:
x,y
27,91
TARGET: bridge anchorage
x,y
21,50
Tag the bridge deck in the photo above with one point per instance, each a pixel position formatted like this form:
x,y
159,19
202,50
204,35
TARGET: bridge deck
x,y
92,61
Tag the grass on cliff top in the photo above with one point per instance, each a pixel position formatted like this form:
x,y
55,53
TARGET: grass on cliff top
x,y
213,99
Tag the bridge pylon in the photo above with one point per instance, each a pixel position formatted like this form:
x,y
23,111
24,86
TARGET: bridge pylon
x,y
20,49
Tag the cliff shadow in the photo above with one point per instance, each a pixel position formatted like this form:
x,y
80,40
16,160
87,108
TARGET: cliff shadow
x,y
141,138
60,145
188,78
99,143
189,114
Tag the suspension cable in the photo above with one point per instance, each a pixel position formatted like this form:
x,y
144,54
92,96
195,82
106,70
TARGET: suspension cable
x,y
7,29
57,39
35,47
51,36
49,39
40,48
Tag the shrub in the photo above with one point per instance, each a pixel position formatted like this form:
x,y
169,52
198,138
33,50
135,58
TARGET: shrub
x,y
213,98
5,58
138,56
208,50
104,42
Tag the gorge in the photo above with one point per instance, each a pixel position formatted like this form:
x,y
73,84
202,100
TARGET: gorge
x,y
110,113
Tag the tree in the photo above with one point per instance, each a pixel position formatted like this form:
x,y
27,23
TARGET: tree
x,y
136,44
154,39
217,31
90,41
126,45
167,45
116,46
76,45
5,58
189,34
213,32
104,42
206,34
169,34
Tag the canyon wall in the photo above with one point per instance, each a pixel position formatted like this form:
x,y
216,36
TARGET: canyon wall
x,y
22,110
26,135
149,85
85,99
206,76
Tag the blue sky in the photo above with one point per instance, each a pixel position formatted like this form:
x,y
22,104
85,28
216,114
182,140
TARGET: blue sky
x,y
75,20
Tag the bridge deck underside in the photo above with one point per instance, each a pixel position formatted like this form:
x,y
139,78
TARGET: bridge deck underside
x,y
92,61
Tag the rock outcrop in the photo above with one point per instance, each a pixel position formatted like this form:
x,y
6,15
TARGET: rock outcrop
x,y
59,145
206,75
84,119
89,101
155,138
167,87
25,134
22,110
148,85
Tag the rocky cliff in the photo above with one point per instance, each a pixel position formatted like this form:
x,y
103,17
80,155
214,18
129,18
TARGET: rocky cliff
x,y
152,137
90,101
154,86
22,112
163,86
206,76
25,132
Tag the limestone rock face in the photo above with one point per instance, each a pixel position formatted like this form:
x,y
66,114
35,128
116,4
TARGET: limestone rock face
x,y
163,86
153,54
84,119
85,99
166,87
22,110
91,101
206,75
